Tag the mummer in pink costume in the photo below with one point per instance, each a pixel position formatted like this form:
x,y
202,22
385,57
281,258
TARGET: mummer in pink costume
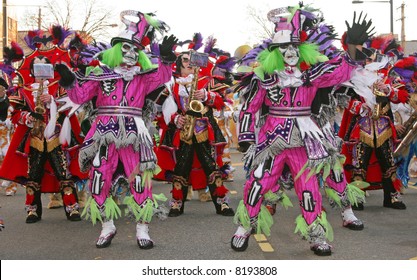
x,y
292,67
118,143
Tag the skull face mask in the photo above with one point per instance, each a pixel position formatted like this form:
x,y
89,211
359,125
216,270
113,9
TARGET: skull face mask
x,y
130,53
290,53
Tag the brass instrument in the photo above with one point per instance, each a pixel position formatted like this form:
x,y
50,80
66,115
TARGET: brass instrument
x,y
39,124
194,107
409,134
377,109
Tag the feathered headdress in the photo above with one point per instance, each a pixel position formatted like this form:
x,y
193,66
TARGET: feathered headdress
x,y
32,39
387,45
142,32
12,54
197,42
59,34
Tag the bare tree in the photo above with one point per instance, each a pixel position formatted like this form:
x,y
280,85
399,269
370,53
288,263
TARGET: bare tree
x,y
91,18
262,28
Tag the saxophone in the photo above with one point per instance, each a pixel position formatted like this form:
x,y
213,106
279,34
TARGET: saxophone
x,y
39,124
195,107
409,134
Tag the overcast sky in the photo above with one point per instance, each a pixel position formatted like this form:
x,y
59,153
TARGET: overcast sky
x,y
228,20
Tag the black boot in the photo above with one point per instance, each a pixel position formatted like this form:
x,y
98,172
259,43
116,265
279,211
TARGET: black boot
x,y
33,203
177,208
70,200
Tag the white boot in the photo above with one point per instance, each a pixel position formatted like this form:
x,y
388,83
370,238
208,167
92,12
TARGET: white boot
x,y
350,221
142,236
240,239
108,231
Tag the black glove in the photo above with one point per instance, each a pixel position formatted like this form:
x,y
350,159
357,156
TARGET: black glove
x,y
67,77
244,146
359,32
165,48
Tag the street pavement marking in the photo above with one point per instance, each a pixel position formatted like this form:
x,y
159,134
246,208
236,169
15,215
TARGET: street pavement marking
x,y
263,243
415,258
233,192
266,247
412,186
237,164
259,237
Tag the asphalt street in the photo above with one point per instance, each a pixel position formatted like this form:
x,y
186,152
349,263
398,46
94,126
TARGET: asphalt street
x,y
200,234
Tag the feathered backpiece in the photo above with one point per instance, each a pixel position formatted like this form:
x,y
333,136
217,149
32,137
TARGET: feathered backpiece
x,y
31,39
77,43
323,36
59,34
209,45
91,51
387,45
196,43
12,54
406,68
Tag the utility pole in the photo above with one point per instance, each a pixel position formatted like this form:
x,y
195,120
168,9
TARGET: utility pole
x,y
4,37
402,26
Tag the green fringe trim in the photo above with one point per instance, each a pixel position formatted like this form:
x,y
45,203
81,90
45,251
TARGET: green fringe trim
x,y
271,196
360,184
159,197
242,216
142,212
355,194
301,226
332,194
325,166
280,197
265,221
327,227
304,229
97,70
285,201
111,210
145,211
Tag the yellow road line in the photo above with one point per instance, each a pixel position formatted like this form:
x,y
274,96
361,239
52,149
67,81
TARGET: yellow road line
x,y
415,258
237,164
263,243
260,237
266,247
411,186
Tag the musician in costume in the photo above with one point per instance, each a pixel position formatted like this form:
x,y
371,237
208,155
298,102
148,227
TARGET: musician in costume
x,y
368,129
198,139
405,117
118,144
290,72
6,129
40,156
222,80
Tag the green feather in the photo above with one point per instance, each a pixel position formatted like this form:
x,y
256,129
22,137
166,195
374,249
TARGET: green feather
x,y
301,226
242,216
301,171
265,221
272,197
326,171
326,225
355,194
332,194
285,201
